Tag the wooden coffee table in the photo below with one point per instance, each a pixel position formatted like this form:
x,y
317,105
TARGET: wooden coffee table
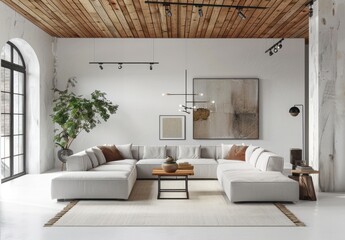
x,y
179,173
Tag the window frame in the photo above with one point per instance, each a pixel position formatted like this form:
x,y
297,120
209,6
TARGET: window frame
x,y
13,67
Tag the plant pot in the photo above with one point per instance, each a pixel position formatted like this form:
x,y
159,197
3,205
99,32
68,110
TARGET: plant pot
x,y
169,167
63,154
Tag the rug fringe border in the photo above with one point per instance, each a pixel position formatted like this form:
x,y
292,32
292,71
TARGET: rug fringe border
x,y
290,215
60,214
280,206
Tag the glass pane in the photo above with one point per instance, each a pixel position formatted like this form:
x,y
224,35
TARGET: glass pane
x,y
18,145
16,58
18,82
5,79
5,147
18,124
6,53
18,164
5,168
5,124
18,103
5,102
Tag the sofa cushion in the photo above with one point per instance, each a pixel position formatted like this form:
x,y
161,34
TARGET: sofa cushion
x,y
151,161
225,150
125,150
269,161
191,152
249,186
198,161
237,153
255,155
154,152
118,167
250,151
78,162
99,154
92,156
111,153
124,161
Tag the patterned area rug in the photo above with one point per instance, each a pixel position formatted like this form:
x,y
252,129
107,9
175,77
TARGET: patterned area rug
x,y
207,206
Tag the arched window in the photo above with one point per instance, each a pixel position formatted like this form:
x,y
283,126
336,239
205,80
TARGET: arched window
x,y
12,142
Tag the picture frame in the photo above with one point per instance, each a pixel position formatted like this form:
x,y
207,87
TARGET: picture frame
x,y
228,108
172,127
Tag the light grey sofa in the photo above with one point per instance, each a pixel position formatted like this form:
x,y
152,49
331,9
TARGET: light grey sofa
x,y
90,177
205,166
257,179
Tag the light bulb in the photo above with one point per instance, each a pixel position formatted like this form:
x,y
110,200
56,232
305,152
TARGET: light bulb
x,y
194,107
164,94
180,105
213,102
201,94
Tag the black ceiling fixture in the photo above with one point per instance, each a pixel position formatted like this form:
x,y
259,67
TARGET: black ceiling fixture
x,y
275,48
239,8
120,64
310,5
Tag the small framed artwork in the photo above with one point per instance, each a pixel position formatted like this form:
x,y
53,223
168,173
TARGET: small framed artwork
x,y
172,127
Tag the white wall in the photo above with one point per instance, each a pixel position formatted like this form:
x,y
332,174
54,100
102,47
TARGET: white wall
x,y
138,90
14,27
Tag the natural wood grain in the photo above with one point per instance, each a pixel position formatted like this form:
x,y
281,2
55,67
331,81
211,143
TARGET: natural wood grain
x,y
137,19
179,172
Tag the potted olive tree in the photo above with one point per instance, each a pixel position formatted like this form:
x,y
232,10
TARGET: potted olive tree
x,y
75,113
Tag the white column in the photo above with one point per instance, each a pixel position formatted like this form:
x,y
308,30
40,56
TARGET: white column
x,y
327,93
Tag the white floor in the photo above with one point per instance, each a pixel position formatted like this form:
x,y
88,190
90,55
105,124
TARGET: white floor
x,y
25,206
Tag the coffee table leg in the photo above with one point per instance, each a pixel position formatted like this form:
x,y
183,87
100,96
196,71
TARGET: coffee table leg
x,y
159,187
187,193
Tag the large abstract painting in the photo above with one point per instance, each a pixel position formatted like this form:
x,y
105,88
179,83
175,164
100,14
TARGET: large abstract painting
x,y
228,108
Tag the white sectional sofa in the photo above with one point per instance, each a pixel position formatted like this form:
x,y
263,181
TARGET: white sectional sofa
x,y
258,178
205,165
89,176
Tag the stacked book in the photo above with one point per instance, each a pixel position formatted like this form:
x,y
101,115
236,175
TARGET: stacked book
x,y
304,168
185,166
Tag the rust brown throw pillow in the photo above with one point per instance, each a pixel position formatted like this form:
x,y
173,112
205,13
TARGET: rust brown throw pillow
x,y
111,153
237,153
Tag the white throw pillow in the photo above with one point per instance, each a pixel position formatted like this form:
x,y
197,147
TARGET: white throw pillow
x,y
250,151
255,155
99,154
225,150
188,152
92,156
153,152
125,150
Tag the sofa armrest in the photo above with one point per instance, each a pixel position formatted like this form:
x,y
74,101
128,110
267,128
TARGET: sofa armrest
x,y
78,162
269,161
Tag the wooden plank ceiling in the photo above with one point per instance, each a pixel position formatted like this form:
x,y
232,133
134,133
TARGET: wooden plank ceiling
x,y
137,19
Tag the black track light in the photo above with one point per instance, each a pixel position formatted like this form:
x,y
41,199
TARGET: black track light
x,y
275,48
101,66
151,66
168,12
200,12
120,66
241,14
